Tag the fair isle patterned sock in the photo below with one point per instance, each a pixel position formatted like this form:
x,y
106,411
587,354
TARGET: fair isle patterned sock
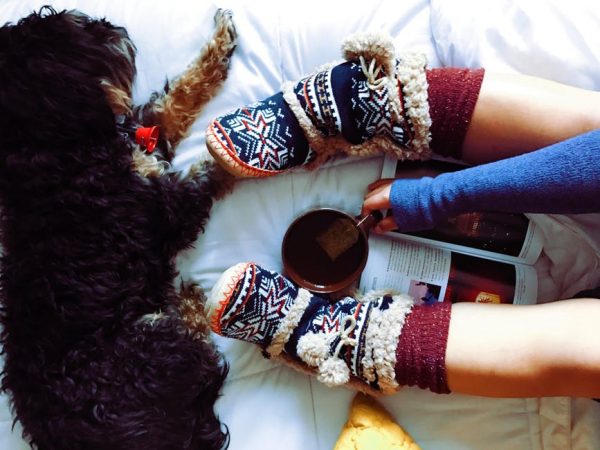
x,y
343,340
339,100
347,342
259,140
255,305
374,103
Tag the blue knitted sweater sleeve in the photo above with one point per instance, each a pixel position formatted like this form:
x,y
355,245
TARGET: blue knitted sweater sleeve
x,y
561,179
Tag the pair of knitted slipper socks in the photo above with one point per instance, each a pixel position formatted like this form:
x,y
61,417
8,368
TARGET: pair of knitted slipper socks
x,y
373,345
374,102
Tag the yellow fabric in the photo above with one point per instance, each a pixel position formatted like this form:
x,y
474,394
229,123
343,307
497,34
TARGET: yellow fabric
x,y
371,427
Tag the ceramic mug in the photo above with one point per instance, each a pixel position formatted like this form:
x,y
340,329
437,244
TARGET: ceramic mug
x,y
307,264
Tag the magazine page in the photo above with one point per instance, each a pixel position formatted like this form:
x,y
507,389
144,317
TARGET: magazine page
x,y
503,236
431,274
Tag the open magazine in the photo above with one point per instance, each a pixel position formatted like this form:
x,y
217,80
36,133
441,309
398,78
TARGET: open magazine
x,y
478,257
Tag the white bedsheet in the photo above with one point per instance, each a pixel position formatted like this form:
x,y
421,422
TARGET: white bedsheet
x,y
267,406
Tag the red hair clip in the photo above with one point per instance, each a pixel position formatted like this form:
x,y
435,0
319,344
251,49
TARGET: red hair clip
x,y
147,137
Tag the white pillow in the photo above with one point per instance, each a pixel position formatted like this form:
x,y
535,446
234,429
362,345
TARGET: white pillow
x,y
554,39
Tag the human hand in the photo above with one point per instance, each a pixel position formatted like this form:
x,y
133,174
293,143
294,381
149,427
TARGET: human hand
x,y
378,197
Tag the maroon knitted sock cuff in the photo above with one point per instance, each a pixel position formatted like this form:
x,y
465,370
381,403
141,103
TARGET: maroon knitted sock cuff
x,y
421,351
452,95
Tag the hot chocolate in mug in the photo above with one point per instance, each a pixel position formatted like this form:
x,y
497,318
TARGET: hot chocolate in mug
x,y
305,259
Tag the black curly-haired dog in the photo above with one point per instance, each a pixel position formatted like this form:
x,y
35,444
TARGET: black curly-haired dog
x,y
99,352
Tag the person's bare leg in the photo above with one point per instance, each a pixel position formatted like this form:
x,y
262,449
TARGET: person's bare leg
x,y
525,351
517,113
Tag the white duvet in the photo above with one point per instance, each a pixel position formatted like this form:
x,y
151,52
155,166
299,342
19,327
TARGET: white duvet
x,y
267,406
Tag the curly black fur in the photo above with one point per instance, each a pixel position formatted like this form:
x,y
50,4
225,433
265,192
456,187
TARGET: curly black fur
x,y
96,354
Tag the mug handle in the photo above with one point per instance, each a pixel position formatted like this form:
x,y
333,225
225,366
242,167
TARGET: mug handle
x,y
367,222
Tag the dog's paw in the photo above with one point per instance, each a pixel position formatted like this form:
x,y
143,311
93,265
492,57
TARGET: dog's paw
x,y
192,292
218,181
225,29
191,308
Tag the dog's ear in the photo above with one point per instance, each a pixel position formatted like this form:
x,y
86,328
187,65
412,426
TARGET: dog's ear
x,y
54,68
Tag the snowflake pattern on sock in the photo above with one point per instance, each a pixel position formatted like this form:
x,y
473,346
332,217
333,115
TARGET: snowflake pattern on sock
x,y
256,305
340,341
264,135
